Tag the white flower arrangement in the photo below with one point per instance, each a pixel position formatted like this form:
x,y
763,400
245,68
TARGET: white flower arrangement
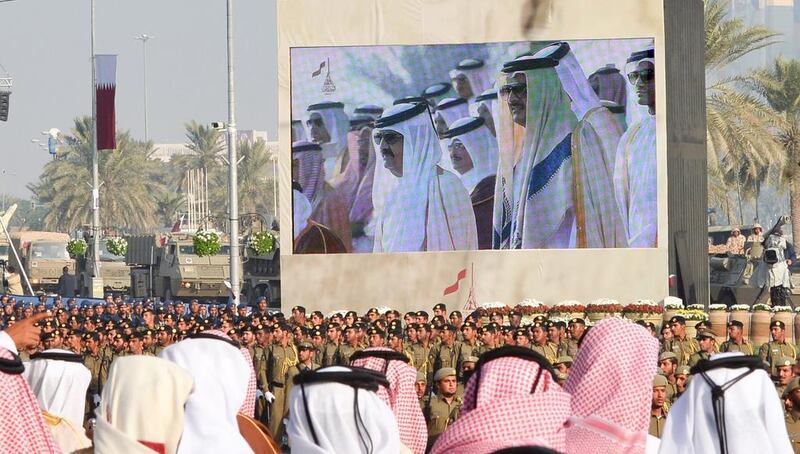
x,y
206,243
777,309
698,307
761,307
569,303
740,307
530,302
492,305
117,245
340,312
647,302
672,303
602,301
383,309
717,307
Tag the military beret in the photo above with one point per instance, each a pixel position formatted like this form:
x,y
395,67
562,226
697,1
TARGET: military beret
x,y
514,314
539,318
520,332
395,333
793,385
538,325
683,370
443,373
376,332
677,319
563,360
456,314
91,336
449,327
667,355
258,328
491,327
170,330
242,306
703,324
777,323
660,380
49,336
495,314
248,328
305,346
137,335
735,323
440,306
579,321
372,310
785,361
705,334
468,325
421,314
421,377
315,333
232,332
438,320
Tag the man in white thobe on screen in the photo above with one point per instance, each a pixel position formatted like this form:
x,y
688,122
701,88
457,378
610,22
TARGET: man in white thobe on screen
x,y
327,126
427,208
557,146
636,169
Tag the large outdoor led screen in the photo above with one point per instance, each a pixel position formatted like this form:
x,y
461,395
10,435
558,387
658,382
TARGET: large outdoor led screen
x,y
522,145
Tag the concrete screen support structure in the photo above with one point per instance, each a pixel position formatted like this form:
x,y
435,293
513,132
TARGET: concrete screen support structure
x,y
417,280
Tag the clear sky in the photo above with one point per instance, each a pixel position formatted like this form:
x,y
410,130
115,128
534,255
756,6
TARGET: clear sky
x,y
44,46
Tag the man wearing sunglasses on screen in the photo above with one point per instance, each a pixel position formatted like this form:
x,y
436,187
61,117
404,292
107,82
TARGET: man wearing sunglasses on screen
x,y
425,208
556,144
635,173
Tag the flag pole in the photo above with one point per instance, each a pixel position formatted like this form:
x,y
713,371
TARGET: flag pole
x,y
95,173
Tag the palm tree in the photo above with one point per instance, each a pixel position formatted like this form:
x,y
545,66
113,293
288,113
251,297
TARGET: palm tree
x,y
255,178
129,178
206,143
741,146
780,86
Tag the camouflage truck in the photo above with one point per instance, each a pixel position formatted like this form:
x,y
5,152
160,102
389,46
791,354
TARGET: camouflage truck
x,y
166,266
42,255
261,276
116,274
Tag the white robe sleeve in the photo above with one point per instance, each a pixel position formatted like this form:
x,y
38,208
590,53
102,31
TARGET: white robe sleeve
x,y
7,342
451,219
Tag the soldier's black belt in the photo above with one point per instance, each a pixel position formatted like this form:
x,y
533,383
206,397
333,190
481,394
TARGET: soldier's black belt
x,y
277,385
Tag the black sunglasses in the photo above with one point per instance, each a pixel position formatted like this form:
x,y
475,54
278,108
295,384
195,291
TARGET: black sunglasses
x,y
390,137
645,75
517,89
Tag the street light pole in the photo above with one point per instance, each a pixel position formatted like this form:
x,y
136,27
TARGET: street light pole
x,y
95,173
233,178
144,38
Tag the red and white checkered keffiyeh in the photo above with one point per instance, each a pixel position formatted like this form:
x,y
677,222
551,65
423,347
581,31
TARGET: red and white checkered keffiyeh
x,y
401,398
249,405
503,412
611,387
23,428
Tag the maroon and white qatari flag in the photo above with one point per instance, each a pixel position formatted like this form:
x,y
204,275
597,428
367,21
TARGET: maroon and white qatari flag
x,y
106,73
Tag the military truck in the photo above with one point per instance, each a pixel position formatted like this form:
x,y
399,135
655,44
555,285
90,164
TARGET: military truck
x,y
5,250
166,266
43,255
116,274
261,277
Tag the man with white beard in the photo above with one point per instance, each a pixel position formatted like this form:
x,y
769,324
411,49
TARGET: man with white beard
x,y
473,154
427,208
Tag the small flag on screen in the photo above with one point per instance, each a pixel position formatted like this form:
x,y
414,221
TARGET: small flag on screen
x,y
319,71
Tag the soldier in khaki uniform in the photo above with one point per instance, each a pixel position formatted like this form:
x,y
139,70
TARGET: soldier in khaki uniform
x,y
330,350
778,348
708,346
448,353
541,344
421,350
467,367
680,344
305,362
282,357
488,335
442,408
736,341
658,407
682,378
98,366
791,395
318,341
668,365
421,385
470,345
785,367
351,345
577,326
